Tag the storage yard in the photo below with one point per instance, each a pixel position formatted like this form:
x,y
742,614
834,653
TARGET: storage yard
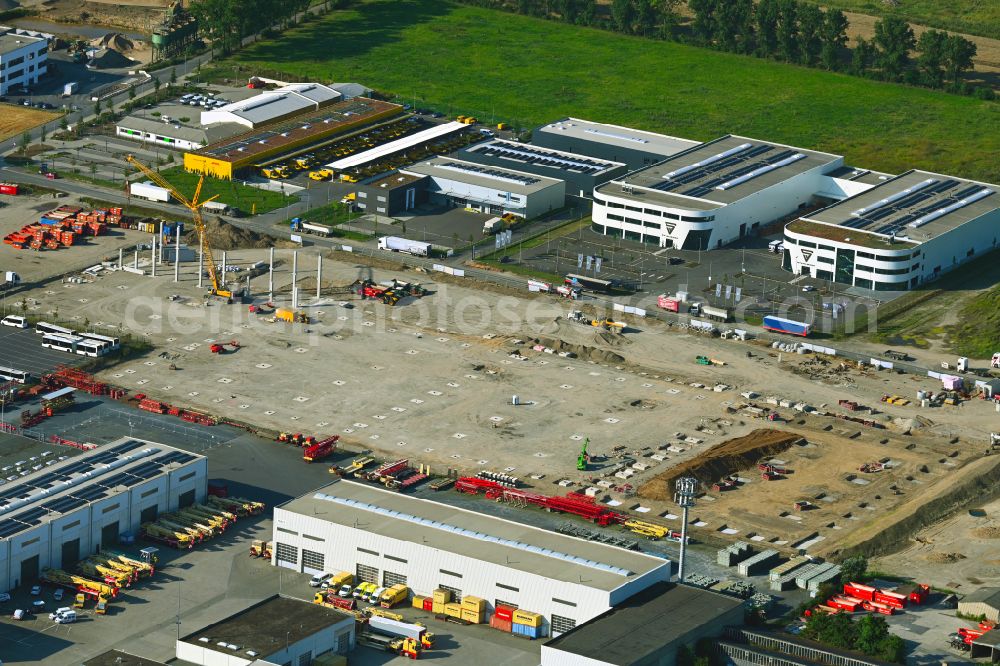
x,y
449,363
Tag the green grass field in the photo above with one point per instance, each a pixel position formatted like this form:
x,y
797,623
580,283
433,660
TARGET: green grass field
x,y
976,17
234,194
505,67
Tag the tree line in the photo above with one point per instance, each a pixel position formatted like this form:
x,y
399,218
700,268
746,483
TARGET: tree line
x,y
227,22
787,30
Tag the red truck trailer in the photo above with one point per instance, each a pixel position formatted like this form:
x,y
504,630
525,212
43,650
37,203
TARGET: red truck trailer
x,y
321,449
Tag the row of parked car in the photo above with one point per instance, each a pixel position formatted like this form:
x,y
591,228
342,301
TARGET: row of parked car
x,y
202,100
368,592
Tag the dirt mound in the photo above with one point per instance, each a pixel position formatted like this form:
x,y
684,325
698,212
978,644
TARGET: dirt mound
x,y
583,351
721,460
225,236
945,558
989,532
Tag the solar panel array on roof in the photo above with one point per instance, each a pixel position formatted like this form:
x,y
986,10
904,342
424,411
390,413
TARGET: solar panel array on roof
x,y
174,457
532,155
487,172
726,170
891,214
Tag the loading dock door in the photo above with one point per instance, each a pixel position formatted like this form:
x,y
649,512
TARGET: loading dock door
x,y
148,514
286,556
29,570
367,574
110,534
70,553
185,499
312,562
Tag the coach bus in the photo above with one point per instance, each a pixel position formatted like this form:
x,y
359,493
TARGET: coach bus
x,y
44,328
92,348
112,344
66,343
12,375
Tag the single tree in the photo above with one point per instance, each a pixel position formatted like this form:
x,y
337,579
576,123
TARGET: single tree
x,y
811,22
958,55
894,39
669,17
131,92
872,630
854,569
704,24
834,36
862,57
156,84
63,125
173,76
788,30
645,17
930,62
767,27
622,15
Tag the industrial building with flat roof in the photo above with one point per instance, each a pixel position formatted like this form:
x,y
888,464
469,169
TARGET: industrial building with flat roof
x,y
397,146
23,58
713,193
903,232
647,629
62,513
225,158
120,658
174,133
635,148
387,538
582,173
393,194
492,190
277,630
273,105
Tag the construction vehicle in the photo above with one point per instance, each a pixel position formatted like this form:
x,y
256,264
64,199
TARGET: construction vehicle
x,y
80,600
146,567
216,523
651,531
221,347
194,205
583,460
101,607
107,574
391,627
171,537
290,316
321,174
503,126
330,599
78,583
702,360
241,507
470,120
356,465
369,289
260,549
348,178
129,570
321,449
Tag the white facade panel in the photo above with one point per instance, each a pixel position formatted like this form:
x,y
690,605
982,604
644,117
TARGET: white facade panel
x,y
24,64
499,201
427,568
556,657
161,138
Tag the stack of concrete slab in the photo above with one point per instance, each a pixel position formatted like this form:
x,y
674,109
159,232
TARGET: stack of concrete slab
x,y
805,574
759,563
825,577
734,554
782,577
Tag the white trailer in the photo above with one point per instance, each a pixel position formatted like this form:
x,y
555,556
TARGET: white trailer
x,y
397,244
10,279
216,207
492,225
70,89
392,627
149,191
317,229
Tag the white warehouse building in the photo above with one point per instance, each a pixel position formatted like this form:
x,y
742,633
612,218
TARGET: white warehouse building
x,y
54,517
714,193
491,190
23,58
387,538
892,237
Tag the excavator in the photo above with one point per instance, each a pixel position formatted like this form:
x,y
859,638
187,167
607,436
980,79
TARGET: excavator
x,y
194,205
583,460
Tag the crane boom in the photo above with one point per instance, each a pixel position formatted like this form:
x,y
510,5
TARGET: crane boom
x,y
194,205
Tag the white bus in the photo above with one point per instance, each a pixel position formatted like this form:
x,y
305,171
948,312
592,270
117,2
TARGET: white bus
x,y
12,375
93,348
113,343
66,343
43,328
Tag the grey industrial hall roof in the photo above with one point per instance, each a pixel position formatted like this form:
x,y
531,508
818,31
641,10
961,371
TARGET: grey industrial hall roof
x,y
290,99
120,658
524,153
990,638
266,627
12,41
72,483
486,538
910,205
646,623
984,595
179,130
394,180
497,178
616,135
717,173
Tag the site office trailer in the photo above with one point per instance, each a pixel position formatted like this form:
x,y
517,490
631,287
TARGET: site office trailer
x,y
299,539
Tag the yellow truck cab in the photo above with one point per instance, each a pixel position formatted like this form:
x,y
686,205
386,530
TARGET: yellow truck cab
x,y
396,594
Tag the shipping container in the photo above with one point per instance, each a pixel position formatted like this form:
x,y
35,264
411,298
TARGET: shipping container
x,y
667,303
502,624
527,618
782,325
8,188
505,613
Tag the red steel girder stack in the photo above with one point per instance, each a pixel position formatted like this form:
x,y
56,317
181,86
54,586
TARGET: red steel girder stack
x,y
80,380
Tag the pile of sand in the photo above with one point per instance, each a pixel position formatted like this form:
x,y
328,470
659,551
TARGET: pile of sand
x,y
988,532
225,236
945,558
721,460
114,40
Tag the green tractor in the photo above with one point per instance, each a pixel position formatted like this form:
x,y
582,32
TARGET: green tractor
x,y
583,460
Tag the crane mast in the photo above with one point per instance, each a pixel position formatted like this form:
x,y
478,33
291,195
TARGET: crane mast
x,y
193,205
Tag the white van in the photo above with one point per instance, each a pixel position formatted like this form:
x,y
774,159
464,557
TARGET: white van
x,y
319,579
14,321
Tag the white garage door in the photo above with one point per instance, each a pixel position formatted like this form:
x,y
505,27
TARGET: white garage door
x,y
286,556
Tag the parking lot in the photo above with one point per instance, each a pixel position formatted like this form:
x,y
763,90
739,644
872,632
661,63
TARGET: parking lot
x,y
23,350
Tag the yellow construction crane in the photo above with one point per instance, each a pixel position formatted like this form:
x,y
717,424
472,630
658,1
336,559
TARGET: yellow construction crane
x,y
194,205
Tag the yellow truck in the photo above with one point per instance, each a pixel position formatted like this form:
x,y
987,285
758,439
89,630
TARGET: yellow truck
x,y
348,178
321,174
396,594
339,580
